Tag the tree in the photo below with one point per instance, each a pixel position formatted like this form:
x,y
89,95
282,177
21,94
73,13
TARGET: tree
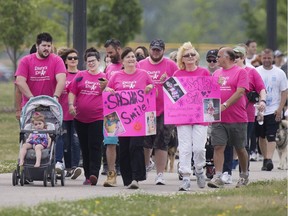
x,y
16,24
256,22
119,19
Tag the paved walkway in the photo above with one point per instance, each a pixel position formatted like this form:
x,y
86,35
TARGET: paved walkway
x,y
35,193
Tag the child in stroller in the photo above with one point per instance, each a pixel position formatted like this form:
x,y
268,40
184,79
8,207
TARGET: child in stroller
x,y
38,141
40,125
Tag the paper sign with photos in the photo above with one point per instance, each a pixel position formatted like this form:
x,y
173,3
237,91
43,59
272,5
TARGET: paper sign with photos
x,y
197,100
129,113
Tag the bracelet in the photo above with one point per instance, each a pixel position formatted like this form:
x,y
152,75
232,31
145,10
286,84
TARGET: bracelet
x,y
264,101
225,105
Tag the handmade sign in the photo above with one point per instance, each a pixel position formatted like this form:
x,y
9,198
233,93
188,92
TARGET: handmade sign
x,y
129,113
194,99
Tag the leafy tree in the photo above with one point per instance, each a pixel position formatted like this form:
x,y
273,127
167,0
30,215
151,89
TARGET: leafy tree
x,y
255,18
119,19
16,24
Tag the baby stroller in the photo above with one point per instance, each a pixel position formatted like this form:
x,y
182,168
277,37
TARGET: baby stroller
x,y
52,111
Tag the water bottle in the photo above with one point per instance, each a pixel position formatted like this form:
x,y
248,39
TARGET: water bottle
x,y
260,118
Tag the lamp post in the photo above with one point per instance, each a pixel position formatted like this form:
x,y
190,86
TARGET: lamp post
x,y
79,29
271,22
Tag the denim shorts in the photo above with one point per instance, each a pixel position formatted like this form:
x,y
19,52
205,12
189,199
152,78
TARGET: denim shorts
x,y
111,140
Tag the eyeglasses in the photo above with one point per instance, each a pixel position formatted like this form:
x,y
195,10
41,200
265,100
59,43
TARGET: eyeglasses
x,y
210,60
189,55
72,57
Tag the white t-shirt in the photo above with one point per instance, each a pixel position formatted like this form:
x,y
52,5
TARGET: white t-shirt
x,y
275,82
248,61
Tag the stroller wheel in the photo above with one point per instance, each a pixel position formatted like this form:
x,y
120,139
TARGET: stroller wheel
x,y
62,178
45,178
22,178
53,178
14,178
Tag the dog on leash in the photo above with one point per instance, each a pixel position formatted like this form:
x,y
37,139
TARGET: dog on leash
x,y
281,144
172,150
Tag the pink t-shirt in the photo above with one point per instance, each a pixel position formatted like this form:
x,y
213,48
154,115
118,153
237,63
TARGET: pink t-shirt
x,y
88,101
200,71
40,74
63,100
156,71
138,80
111,69
255,84
233,78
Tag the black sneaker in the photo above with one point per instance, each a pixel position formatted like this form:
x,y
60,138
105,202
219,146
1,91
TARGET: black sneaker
x,y
269,165
264,167
76,173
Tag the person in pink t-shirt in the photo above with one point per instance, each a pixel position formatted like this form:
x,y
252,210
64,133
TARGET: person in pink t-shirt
x,y
191,138
132,162
85,104
232,130
159,68
41,73
69,140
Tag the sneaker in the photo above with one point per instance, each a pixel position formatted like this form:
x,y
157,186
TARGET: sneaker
x,y
185,186
159,180
93,179
216,182
59,167
260,157
269,165
87,182
150,166
68,173
104,171
134,185
253,156
111,179
76,173
201,180
242,182
226,178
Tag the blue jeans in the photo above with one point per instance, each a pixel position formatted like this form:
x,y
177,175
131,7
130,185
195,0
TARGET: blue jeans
x,y
67,145
71,145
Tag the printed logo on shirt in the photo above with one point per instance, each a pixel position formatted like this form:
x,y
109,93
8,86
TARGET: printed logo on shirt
x,y
129,84
90,85
154,75
67,83
40,71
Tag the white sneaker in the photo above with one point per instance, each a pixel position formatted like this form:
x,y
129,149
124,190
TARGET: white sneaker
x,y
226,178
185,186
201,180
159,180
150,166
253,156
134,185
59,167
260,157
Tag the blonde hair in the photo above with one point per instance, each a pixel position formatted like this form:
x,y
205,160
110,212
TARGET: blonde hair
x,y
37,116
181,50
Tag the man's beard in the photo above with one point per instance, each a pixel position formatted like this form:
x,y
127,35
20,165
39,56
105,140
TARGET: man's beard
x,y
115,59
42,55
156,59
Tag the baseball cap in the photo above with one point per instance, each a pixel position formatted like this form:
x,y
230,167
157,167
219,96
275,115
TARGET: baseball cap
x,y
157,44
240,49
212,53
278,53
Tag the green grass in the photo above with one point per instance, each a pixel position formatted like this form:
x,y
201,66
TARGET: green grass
x,y
264,198
9,126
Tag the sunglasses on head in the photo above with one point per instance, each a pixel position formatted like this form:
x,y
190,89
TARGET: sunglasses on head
x,y
72,57
189,55
210,60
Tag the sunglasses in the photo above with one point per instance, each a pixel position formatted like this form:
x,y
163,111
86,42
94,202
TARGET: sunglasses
x,y
72,57
189,55
210,60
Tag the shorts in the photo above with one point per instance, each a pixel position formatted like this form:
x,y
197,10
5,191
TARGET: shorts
x,y
111,140
233,134
162,137
268,129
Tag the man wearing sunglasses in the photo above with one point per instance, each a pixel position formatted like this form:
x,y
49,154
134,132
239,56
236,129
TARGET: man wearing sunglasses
x,y
211,60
